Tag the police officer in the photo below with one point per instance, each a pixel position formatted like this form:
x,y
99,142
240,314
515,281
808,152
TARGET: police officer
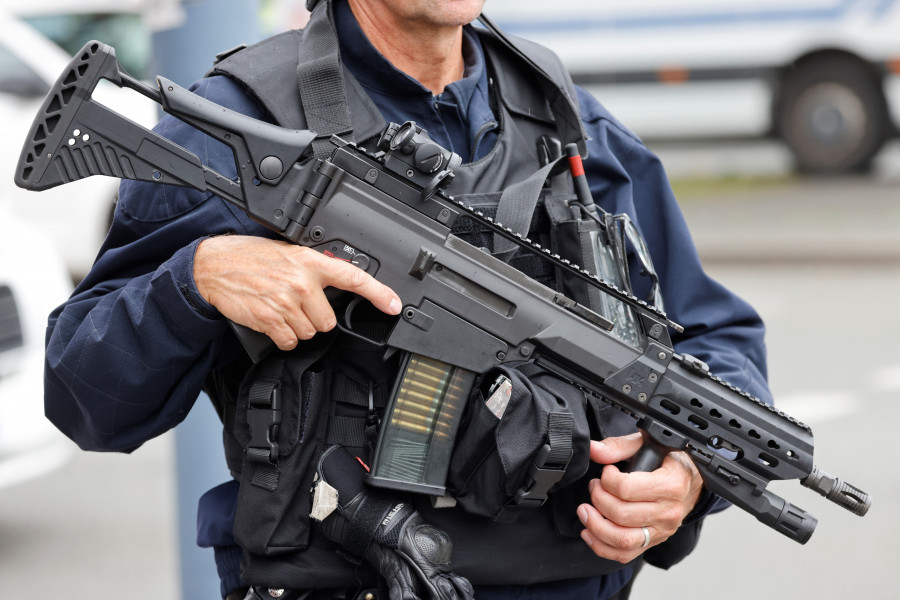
x,y
147,328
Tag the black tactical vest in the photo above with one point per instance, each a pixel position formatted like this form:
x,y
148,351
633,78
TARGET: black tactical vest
x,y
534,98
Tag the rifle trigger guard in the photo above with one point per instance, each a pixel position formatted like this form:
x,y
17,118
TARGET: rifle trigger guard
x,y
346,325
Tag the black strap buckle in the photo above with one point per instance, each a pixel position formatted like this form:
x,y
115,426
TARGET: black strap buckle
x,y
264,419
542,478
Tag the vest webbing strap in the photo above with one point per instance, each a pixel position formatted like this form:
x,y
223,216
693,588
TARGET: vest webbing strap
x,y
347,431
321,81
264,417
353,429
516,207
559,434
264,413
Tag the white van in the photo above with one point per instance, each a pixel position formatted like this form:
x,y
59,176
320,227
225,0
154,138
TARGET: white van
x,y
33,281
822,75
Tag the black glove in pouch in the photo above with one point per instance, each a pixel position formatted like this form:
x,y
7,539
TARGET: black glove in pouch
x,y
382,527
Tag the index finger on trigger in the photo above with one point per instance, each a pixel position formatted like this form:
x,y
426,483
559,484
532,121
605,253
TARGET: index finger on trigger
x,y
351,278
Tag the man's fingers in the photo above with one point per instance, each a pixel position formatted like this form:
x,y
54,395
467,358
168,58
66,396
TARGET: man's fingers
x,y
289,316
610,540
618,506
671,481
284,337
284,332
312,315
348,277
615,449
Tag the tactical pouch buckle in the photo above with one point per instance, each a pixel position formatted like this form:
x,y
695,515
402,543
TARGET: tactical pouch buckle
x,y
541,479
264,418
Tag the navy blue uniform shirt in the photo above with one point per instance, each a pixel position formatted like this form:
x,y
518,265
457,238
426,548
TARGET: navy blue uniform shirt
x,y
128,353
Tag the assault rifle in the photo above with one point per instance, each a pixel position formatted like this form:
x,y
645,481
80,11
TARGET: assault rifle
x,y
465,311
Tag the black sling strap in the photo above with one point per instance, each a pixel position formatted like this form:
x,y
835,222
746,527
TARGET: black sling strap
x,y
516,207
321,81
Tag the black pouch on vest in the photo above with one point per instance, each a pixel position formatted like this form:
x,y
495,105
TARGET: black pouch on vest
x,y
281,421
539,442
583,242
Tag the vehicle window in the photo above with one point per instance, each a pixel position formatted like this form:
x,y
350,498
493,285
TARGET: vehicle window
x,y
10,321
17,78
123,31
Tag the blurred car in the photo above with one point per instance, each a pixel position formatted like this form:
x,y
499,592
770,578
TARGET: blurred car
x,y
823,76
33,280
75,216
69,25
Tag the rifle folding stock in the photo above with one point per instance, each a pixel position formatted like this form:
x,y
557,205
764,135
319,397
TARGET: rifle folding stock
x,y
465,311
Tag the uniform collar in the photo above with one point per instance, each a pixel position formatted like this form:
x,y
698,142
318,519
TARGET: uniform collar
x,y
373,71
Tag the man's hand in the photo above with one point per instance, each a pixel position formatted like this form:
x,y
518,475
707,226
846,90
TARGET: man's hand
x,y
626,505
277,288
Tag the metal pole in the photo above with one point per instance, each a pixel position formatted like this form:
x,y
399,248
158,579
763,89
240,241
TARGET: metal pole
x,y
186,38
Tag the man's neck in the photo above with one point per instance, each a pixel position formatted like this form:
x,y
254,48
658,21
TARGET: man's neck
x,y
429,53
